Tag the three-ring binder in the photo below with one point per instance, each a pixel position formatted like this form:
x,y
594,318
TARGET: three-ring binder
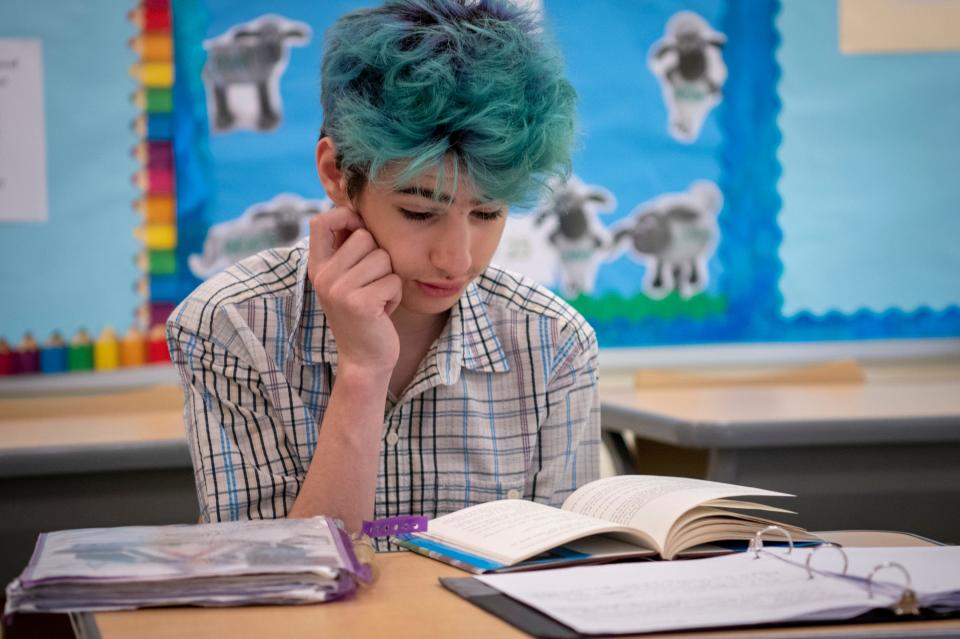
x,y
906,604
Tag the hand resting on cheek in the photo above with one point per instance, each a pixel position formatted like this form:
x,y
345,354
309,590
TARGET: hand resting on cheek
x,y
357,288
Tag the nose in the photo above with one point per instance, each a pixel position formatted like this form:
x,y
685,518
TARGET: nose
x,y
450,247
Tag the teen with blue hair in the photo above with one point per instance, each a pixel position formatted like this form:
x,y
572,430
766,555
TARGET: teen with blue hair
x,y
385,368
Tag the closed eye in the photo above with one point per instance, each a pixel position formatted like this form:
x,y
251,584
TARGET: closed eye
x,y
416,216
488,216
426,216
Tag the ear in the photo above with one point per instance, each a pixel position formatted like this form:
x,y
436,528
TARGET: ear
x,y
333,180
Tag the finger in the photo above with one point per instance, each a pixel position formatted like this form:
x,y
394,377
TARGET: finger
x,y
386,292
328,230
373,266
394,302
358,246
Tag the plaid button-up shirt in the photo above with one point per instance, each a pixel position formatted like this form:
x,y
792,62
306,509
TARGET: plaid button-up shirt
x,y
505,403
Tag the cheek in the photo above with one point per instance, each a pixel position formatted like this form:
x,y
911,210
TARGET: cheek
x,y
485,244
395,241
402,252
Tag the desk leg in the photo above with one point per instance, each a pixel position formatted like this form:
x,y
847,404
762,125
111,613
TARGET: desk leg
x,y
620,453
84,625
723,466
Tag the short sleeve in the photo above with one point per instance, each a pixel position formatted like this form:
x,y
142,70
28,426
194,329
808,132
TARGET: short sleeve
x,y
242,462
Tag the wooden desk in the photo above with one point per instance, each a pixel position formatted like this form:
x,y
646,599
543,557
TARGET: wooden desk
x,y
880,454
65,434
67,460
406,601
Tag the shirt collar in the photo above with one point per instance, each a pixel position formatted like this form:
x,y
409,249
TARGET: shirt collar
x,y
469,325
469,339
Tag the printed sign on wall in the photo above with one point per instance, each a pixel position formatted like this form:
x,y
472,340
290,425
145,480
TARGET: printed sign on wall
x,y
23,146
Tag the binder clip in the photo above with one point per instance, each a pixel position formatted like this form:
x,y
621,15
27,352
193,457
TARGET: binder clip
x,y
826,544
907,604
756,544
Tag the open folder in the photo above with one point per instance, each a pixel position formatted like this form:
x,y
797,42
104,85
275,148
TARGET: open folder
x,y
769,587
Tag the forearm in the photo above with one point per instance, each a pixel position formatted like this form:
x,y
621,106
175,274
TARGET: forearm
x,y
342,479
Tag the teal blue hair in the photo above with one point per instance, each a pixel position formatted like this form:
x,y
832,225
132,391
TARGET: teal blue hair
x,y
418,81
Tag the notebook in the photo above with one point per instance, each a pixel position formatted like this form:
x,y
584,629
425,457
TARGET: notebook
x,y
745,589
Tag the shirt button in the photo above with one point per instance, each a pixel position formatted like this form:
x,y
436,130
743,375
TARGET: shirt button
x,y
392,438
513,493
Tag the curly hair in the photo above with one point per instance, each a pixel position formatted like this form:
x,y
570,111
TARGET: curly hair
x,y
421,81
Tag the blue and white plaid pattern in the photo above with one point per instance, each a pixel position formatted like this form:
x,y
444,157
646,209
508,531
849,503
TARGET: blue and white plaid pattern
x,y
505,404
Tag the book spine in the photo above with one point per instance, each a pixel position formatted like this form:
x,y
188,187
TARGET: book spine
x,y
450,556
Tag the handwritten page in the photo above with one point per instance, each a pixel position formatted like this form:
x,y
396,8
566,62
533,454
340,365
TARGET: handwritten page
x,y
934,572
23,150
651,503
698,593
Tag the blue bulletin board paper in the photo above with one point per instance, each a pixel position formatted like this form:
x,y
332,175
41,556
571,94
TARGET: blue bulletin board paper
x,y
870,157
843,233
78,268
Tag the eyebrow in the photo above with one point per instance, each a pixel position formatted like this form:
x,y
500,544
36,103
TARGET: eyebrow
x,y
430,194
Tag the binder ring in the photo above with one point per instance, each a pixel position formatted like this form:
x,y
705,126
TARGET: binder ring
x,y
908,603
756,544
826,544
883,566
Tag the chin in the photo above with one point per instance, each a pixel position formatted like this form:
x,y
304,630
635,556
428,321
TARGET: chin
x,y
428,307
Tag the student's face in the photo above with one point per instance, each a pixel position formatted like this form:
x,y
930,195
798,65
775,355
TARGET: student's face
x,y
436,245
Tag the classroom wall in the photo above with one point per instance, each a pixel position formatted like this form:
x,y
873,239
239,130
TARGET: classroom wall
x,y
77,267
834,220
870,146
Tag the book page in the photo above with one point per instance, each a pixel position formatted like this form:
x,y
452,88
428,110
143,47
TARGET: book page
x,y
699,593
746,505
511,530
650,503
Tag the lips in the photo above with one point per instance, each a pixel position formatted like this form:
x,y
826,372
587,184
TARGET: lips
x,y
441,289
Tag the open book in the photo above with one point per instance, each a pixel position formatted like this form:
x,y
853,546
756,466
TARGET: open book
x,y
628,516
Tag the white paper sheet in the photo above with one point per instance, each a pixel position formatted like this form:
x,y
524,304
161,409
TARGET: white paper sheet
x,y
933,571
23,147
655,596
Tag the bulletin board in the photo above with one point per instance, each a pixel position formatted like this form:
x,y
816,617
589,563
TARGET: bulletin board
x,y
737,177
74,265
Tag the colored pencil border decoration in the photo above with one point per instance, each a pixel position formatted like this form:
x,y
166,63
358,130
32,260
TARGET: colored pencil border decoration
x,y
145,341
156,178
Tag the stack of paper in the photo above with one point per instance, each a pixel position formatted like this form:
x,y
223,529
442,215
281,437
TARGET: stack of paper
x,y
284,561
737,590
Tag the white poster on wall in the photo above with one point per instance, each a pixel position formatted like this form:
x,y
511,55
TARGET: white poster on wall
x,y
23,147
